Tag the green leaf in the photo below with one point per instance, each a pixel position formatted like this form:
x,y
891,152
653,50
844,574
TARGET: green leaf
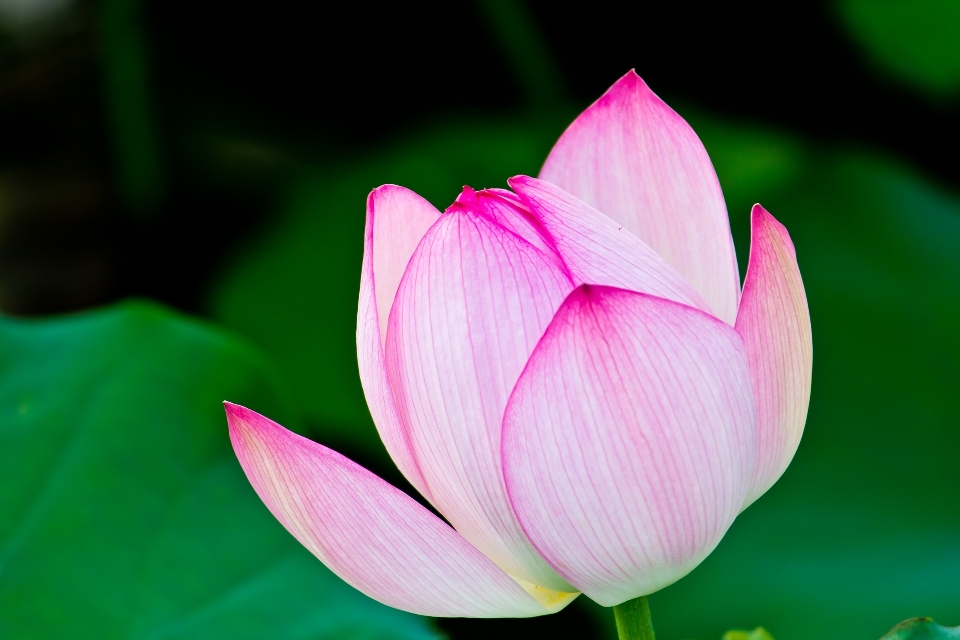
x,y
921,629
914,41
123,512
757,634
295,291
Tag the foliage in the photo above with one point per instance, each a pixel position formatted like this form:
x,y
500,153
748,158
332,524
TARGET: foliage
x,y
914,41
124,512
757,634
921,629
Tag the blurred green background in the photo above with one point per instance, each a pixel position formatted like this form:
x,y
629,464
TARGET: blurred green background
x,y
182,192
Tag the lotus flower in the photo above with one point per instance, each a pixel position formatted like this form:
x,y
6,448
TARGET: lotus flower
x,y
567,371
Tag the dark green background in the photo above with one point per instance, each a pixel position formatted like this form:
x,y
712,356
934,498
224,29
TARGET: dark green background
x,y
216,158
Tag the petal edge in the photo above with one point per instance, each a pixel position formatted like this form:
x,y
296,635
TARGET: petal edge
x,y
632,157
596,250
774,320
452,366
369,533
629,441
397,219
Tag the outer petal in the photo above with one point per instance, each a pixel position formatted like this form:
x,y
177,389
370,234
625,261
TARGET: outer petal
x,y
369,533
775,324
597,250
397,219
471,307
629,441
633,158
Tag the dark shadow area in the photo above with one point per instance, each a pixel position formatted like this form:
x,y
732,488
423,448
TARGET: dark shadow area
x,y
318,83
573,622
786,64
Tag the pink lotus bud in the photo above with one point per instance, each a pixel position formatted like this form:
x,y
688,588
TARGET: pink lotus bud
x,y
567,371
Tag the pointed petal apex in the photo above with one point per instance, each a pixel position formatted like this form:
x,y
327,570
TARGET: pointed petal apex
x,y
369,533
636,160
774,321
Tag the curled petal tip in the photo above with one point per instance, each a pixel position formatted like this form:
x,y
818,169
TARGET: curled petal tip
x,y
379,189
759,213
467,200
384,190
761,218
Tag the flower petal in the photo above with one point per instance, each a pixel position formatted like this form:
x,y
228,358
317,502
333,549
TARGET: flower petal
x,y
506,209
633,158
775,324
397,218
369,533
474,302
629,441
597,250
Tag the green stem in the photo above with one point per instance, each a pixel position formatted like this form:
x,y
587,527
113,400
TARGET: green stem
x,y
633,620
